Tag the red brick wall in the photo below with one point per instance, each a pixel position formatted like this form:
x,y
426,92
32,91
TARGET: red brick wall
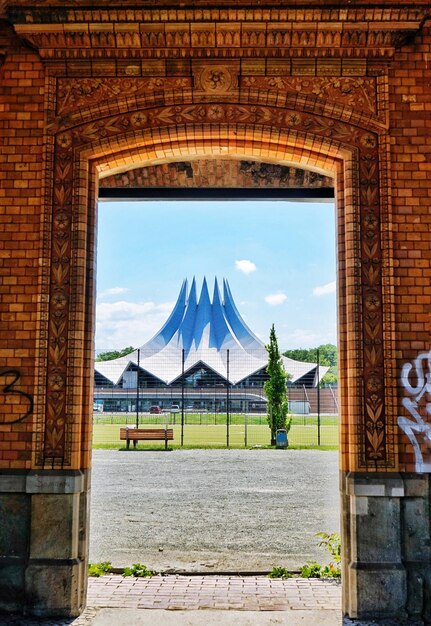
x,y
21,194
410,138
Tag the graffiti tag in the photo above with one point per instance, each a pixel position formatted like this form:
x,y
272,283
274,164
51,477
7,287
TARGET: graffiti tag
x,y
416,380
9,390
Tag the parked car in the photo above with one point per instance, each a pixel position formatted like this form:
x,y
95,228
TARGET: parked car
x,y
175,408
155,409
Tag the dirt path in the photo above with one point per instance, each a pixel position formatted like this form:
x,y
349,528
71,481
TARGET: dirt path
x,y
212,510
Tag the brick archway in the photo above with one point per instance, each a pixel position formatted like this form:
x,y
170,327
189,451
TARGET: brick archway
x,y
362,231
105,145
93,92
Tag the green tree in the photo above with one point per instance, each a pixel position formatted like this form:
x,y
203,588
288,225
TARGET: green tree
x,y
327,356
302,354
114,354
275,388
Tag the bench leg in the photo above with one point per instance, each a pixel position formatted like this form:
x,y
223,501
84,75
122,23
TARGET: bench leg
x,y
134,443
127,443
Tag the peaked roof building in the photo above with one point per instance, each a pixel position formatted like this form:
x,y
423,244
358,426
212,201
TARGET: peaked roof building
x,y
206,333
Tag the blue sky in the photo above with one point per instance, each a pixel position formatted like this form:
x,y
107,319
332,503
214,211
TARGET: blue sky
x,y
278,257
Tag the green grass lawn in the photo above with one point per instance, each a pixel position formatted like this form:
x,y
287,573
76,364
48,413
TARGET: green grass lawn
x,y
207,419
107,435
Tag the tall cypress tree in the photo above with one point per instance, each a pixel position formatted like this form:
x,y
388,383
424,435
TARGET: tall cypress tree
x,y
275,388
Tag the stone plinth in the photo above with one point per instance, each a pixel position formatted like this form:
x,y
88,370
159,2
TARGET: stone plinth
x,y
386,530
43,542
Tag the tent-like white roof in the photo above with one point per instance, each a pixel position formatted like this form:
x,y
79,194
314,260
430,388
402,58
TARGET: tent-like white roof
x,y
211,333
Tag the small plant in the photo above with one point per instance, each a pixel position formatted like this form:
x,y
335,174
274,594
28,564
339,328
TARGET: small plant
x,y
138,570
330,571
99,569
280,572
311,570
332,542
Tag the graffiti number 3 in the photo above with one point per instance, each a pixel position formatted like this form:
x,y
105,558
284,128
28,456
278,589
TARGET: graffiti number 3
x,y
9,390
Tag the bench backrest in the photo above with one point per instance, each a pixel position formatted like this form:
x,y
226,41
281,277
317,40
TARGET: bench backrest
x,y
146,433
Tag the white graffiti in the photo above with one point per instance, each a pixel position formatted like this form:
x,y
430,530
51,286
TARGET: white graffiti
x,y
418,404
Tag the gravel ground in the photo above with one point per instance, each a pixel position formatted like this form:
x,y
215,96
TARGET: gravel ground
x,y
212,510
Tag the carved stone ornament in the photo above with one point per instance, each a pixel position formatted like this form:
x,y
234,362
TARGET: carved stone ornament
x,y
216,78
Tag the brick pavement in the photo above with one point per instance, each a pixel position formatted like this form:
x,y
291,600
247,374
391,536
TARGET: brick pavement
x,y
252,593
234,593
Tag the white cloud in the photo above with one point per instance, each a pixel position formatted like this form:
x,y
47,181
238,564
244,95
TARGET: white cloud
x,y
275,299
245,266
113,291
325,289
123,323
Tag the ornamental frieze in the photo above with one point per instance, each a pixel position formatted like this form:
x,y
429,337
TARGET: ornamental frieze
x,y
268,11
216,38
358,93
80,99
73,93
218,113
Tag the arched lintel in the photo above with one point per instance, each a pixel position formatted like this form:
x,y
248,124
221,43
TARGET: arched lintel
x,y
233,141
262,99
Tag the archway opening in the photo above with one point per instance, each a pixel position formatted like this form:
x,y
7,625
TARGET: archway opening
x,y
106,156
265,497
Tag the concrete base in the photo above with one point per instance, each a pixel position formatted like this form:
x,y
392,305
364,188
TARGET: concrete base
x,y
386,545
43,542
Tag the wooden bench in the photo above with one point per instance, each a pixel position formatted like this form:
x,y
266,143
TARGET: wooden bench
x,y
146,434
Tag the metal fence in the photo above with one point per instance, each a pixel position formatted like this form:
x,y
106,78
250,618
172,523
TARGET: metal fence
x,y
204,407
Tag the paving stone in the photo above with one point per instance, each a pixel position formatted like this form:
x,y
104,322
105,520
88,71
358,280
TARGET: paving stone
x,y
216,593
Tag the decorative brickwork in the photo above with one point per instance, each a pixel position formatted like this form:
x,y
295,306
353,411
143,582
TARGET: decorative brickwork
x,y
181,96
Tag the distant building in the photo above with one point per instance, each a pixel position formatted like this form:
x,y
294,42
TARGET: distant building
x,y
204,347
